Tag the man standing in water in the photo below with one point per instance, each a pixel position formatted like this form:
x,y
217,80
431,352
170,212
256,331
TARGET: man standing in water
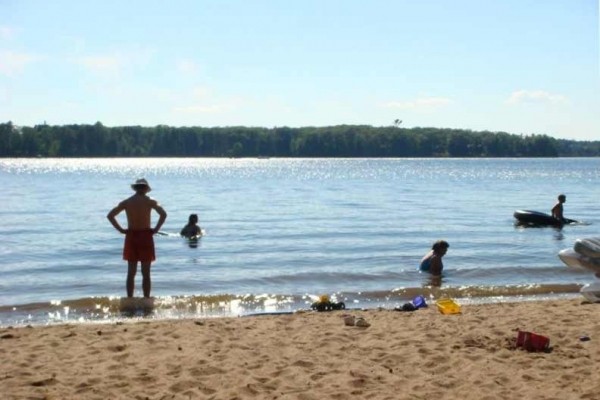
x,y
139,243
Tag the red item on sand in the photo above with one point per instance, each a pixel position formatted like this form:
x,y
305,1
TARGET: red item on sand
x,y
532,341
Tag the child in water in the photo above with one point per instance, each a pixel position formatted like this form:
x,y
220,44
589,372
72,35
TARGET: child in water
x,y
432,261
191,229
557,210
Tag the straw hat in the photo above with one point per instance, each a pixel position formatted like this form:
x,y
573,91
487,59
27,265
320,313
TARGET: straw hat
x,y
141,182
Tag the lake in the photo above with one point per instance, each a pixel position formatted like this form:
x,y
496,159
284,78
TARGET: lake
x,y
281,231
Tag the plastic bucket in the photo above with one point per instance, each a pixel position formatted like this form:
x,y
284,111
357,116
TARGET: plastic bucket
x,y
448,306
532,341
419,302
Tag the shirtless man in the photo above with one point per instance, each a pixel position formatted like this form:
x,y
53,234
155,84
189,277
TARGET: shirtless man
x,y
557,210
139,243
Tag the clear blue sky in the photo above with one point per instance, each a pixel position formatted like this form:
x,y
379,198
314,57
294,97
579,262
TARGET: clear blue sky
x,y
520,66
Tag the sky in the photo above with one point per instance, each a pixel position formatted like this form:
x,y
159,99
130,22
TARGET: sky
x,y
517,66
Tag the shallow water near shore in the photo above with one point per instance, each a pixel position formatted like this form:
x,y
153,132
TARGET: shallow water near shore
x,y
281,231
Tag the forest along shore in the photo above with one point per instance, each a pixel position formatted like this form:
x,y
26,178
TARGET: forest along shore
x,y
330,141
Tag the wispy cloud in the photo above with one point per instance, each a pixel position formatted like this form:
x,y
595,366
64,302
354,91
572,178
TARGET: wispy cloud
x,y
3,94
419,103
115,63
202,100
12,63
187,66
6,32
535,96
200,92
102,64
203,109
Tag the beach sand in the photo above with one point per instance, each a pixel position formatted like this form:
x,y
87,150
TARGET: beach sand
x,y
402,355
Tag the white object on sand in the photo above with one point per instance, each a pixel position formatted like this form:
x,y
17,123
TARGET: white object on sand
x,y
591,292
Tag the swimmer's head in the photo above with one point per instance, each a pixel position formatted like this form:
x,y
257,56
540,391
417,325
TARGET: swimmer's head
x,y
441,246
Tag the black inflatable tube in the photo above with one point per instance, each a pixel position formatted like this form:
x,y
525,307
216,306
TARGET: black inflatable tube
x,y
529,217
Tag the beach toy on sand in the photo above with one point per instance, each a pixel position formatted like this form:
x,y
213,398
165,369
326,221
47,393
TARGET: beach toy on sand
x,y
419,302
415,304
532,341
448,306
324,304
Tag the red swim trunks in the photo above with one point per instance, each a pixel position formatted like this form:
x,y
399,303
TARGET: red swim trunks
x,y
139,246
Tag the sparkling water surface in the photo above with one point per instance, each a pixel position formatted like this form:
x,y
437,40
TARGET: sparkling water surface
x,y
284,229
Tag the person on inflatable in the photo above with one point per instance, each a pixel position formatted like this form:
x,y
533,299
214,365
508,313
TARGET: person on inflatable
x,y
557,210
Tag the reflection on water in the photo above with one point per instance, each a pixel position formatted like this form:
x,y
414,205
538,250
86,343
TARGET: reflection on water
x,y
112,309
289,227
130,307
434,281
558,234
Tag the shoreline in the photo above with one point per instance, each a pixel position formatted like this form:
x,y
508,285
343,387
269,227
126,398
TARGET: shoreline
x,y
310,355
106,310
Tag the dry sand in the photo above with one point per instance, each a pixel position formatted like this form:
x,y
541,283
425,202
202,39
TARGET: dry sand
x,y
402,355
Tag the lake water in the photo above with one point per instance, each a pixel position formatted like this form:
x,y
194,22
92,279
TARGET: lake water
x,y
279,231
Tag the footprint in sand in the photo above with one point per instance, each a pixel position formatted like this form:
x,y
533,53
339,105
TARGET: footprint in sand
x,y
44,382
118,348
205,371
303,364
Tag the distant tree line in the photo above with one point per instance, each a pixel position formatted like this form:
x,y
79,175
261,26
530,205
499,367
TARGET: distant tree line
x,y
333,141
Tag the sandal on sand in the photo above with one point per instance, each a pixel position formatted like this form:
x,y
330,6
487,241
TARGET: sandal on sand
x,y
361,322
406,307
349,320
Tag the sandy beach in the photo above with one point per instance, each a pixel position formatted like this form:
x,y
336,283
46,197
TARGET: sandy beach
x,y
313,355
